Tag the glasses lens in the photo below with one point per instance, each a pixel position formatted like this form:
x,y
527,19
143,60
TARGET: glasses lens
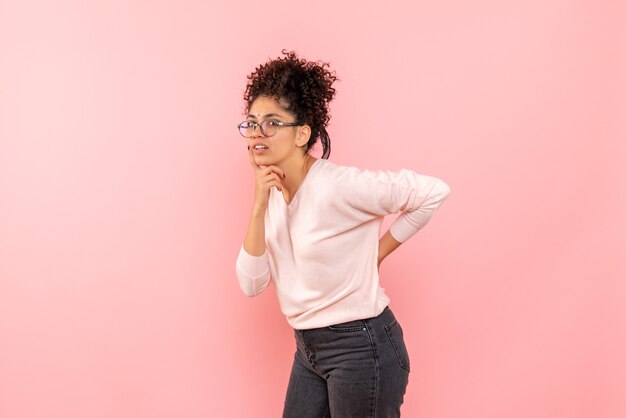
x,y
269,127
246,129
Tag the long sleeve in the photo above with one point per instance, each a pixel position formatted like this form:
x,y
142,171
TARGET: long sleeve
x,y
321,249
253,272
381,193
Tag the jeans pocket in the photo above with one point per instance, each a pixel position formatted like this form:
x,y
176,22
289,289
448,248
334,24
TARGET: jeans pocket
x,y
348,327
396,336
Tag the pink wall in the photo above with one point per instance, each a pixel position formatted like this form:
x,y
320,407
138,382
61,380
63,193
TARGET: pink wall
x,y
125,191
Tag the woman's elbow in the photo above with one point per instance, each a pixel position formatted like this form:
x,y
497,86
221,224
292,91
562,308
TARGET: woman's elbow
x,y
249,290
252,287
442,190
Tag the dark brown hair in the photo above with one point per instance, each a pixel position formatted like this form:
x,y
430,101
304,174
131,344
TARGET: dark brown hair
x,y
305,86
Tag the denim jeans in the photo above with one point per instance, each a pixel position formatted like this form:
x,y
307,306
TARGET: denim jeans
x,y
357,369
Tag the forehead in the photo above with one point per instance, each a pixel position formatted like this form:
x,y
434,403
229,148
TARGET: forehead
x,y
264,105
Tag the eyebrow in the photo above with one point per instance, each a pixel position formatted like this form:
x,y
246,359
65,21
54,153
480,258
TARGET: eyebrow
x,y
269,115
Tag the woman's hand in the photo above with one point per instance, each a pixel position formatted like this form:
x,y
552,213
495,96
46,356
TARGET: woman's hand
x,y
266,178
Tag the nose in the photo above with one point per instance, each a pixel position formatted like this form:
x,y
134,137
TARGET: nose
x,y
256,132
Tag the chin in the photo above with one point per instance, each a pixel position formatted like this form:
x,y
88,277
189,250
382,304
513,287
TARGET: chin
x,y
264,160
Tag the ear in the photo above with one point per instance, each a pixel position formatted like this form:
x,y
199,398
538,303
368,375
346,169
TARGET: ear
x,y
304,133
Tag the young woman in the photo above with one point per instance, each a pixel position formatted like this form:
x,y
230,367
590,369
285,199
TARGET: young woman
x,y
315,233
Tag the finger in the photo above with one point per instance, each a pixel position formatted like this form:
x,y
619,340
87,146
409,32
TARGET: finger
x,y
274,178
274,183
277,170
279,185
252,161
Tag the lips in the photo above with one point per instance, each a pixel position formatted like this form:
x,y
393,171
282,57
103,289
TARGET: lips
x,y
259,146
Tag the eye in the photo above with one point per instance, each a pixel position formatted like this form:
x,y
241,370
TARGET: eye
x,y
273,123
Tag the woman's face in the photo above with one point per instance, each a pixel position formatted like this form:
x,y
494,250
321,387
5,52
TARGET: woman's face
x,y
283,145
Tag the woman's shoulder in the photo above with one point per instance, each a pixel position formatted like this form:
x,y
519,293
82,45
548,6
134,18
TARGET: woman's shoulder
x,y
343,180
330,168
348,173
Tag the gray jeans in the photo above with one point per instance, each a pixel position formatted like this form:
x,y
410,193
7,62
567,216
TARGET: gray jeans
x,y
358,369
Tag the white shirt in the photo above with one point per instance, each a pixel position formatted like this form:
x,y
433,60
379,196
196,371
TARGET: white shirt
x,y
322,248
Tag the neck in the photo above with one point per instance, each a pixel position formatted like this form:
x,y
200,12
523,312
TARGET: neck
x,y
295,171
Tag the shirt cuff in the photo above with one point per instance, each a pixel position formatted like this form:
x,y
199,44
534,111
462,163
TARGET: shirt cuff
x,y
401,230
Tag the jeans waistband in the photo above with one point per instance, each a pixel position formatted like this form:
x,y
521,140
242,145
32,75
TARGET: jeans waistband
x,y
386,316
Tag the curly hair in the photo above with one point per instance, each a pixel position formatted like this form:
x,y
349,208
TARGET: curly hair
x,y
306,87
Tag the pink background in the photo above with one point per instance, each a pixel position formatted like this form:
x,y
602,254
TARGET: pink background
x,y
125,192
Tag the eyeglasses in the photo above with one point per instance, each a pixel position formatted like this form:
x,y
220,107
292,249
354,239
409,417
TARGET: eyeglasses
x,y
268,127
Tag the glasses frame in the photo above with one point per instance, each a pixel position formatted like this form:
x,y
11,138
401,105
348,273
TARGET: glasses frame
x,y
260,126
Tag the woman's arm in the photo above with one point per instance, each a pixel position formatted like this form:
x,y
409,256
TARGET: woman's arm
x,y
254,242
253,261
265,179
386,246
379,193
